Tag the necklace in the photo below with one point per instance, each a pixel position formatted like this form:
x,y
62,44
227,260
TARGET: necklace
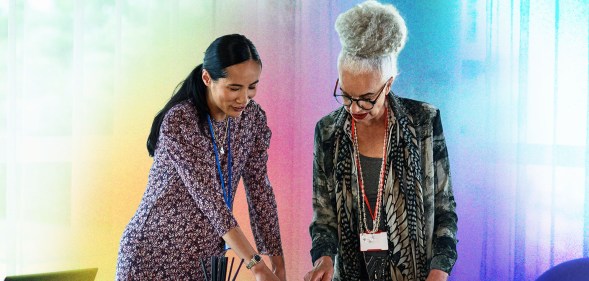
x,y
360,182
220,144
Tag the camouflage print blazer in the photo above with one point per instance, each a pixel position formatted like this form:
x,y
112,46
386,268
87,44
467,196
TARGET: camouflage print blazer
x,y
419,204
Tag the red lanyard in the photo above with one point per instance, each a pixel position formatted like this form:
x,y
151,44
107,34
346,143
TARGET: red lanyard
x,y
382,170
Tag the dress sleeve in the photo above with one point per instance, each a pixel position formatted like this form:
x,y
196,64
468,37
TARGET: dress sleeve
x,y
260,196
179,138
445,218
324,227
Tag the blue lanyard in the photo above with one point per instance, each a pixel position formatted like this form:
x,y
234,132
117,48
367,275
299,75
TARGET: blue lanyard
x,y
226,192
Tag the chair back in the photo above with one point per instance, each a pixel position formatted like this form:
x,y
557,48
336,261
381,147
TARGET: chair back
x,y
573,270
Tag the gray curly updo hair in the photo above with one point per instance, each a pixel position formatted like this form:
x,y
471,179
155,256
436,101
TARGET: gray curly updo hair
x,y
371,35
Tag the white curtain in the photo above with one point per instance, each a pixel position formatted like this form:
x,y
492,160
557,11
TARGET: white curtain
x,y
527,62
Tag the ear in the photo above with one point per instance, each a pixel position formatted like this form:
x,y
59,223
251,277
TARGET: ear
x,y
206,78
390,86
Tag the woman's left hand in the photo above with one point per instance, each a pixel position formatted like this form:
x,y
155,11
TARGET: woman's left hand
x,y
437,275
278,267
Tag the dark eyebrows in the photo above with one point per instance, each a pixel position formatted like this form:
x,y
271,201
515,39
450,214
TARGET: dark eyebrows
x,y
239,85
364,96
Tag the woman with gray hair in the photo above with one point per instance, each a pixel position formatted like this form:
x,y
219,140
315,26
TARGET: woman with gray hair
x,y
383,207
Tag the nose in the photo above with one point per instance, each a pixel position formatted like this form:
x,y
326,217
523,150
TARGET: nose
x,y
355,109
243,97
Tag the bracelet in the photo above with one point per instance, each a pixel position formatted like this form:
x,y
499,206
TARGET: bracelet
x,y
255,260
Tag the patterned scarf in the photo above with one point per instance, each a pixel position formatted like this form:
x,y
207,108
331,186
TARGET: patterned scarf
x,y
403,201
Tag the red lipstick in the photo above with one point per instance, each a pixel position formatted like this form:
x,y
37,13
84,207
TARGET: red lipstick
x,y
359,116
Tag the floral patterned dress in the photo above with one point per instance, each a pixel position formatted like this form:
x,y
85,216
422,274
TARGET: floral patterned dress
x,y
182,216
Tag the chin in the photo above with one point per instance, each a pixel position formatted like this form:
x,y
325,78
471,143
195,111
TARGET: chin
x,y
366,121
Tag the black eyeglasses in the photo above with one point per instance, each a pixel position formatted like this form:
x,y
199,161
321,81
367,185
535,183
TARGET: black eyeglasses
x,y
365,104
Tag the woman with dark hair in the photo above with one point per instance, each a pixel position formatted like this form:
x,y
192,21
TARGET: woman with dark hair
x,y
209,135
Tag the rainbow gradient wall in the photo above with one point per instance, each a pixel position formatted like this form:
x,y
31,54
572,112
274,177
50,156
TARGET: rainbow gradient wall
x,y
81,80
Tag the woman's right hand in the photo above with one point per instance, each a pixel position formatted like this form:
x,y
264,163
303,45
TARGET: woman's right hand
x,y
322,270
263,273
239,244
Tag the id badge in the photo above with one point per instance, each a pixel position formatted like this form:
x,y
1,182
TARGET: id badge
x,y
374,242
